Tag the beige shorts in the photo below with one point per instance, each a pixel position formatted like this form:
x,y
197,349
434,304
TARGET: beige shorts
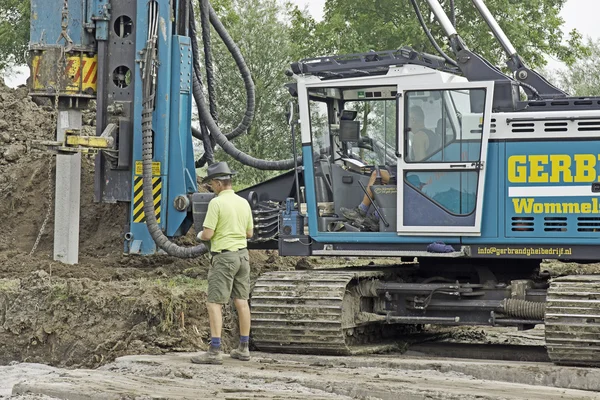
x,y
229,276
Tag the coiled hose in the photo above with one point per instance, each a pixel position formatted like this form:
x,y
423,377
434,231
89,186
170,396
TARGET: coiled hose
x,y
222,140
524,309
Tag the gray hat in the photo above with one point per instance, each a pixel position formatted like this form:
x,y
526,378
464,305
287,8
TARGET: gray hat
x,y
218,170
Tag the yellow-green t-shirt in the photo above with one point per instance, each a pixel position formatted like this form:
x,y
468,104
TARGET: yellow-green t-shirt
x,y
230,216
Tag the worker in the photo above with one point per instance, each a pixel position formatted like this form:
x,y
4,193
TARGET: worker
x,y
418,149
418,136
359,214
227,226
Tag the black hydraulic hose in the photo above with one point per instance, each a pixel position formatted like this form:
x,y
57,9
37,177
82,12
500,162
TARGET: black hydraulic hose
x,y
208,62
208,156
205,115
453,13
203,134
230,149
244,71
430,36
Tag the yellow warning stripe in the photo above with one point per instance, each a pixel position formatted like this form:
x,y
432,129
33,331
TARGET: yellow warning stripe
x,y
138,198
80,74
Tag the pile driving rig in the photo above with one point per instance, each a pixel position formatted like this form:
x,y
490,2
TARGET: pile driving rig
x,y
501,183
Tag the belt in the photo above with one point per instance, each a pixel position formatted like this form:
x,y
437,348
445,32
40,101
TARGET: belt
x,y
214,253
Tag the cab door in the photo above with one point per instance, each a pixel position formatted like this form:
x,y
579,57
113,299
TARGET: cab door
x,y
443,133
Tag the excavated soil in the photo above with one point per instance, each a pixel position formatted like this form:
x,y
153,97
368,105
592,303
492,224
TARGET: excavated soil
x,y
109,304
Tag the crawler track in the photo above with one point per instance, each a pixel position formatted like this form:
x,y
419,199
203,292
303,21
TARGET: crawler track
x,y
573,320
313,312
504,352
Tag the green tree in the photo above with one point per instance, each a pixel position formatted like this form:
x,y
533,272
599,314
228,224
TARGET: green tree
x,y
14,32
259,30
351,26
583,77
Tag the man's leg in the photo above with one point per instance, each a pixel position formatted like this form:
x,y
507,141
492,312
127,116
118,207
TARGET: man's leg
x,y
215,319
220,281
385,178
241,293
362,209
243,311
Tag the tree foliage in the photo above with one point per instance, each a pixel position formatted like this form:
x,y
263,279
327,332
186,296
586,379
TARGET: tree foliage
x,y
351,26
583,77
258,28
14,32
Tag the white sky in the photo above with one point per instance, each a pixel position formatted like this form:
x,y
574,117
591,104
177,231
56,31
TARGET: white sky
x,y
579,14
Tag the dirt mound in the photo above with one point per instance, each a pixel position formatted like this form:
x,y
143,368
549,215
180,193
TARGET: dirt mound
x,y
21,121
84,322
109,304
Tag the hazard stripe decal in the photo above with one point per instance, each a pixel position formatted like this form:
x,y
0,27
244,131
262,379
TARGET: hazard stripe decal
x,y
138,199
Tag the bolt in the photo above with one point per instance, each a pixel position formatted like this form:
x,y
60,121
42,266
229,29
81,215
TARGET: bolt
x,y
522,75
181,203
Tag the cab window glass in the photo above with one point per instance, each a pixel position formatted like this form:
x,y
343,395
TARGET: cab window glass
x,y
443,125
377,121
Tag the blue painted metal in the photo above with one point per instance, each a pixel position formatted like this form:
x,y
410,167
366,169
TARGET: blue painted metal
x,y
171,125
181,153
310,193
140,233
98,16
46,20
498,208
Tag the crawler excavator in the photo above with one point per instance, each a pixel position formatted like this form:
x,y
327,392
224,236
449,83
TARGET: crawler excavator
x,y
497,173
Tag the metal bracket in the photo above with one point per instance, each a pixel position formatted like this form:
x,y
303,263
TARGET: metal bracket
x,y
76,143
478,164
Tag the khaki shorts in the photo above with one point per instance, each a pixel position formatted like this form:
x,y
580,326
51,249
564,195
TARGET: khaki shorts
x,y
229,276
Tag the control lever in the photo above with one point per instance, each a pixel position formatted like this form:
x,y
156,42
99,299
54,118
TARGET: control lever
x,y
387,224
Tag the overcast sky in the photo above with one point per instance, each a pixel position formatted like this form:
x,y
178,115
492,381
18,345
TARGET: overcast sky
x,y
579,14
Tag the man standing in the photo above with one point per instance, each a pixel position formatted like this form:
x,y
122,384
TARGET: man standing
x,y
227,226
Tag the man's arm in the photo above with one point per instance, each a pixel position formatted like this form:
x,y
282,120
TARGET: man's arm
x,y
420,145
249,224
206,234
210,222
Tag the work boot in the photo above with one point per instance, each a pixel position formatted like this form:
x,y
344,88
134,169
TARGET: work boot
x,y
242,353
354,214
371,223
212,356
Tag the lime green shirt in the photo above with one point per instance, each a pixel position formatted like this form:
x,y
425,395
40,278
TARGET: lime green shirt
x,y
230,216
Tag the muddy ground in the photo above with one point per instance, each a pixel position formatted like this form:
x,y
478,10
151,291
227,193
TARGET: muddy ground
x,y
109,305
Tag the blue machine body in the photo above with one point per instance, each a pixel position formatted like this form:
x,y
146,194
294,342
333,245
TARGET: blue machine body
x,y
174,173
511,210
520,184
555,219
46,19
292,223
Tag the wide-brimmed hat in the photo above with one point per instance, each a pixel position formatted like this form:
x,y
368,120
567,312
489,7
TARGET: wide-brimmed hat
x,y
218,170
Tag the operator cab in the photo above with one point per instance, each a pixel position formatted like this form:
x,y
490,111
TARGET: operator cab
x,y
422,142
